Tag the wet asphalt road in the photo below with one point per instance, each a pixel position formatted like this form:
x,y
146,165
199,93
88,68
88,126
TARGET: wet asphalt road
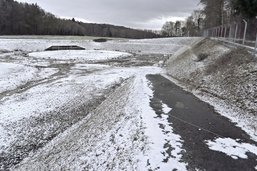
x,y
196,121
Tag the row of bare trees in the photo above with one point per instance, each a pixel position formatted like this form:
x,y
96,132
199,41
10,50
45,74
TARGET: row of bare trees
x,y
171,29
216,13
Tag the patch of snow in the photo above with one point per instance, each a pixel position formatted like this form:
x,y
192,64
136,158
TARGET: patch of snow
x,y
46,97
166,109
232,147
14,75
157,156
84,55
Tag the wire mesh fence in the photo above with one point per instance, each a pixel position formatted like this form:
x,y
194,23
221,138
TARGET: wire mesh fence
x,y
241,32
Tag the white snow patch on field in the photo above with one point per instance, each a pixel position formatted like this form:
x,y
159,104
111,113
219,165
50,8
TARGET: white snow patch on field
x,y
232,147
14,75
46,97
86,55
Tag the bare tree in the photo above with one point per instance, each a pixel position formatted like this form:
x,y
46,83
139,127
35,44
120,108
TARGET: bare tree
x,y
168,29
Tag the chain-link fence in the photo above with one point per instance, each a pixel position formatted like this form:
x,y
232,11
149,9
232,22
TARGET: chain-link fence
x,y
242,32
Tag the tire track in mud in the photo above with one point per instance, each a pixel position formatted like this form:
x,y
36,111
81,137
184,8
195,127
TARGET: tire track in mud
x,y
63,70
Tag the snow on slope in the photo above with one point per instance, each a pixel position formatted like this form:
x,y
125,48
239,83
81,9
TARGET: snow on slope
x,y
123,133
84,55
48,97
226,79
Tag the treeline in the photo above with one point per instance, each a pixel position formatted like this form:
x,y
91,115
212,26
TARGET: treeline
x,y
107,30
224,13
215,13
29,19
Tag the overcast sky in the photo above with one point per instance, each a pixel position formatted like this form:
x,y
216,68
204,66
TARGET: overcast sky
x,y
143,14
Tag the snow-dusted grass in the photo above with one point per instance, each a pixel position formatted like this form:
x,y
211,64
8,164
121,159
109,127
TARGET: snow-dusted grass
x,y
232,147
46,97
84,55
14,75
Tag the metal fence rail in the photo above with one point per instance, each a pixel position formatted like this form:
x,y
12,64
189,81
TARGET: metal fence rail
x,y
237,33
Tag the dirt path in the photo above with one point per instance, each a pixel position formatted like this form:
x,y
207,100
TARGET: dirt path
x,y
197,122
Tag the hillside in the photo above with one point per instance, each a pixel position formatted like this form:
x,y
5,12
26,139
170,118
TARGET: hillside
x,y
223,76
29,19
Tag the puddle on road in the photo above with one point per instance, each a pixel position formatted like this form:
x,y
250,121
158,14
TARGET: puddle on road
x,y
180,105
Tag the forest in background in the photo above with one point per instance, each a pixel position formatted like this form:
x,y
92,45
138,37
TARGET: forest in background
x,y
29,19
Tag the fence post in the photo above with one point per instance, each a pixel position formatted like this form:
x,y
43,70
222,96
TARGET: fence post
x,y
225,34
221,31
236,33
245,30
230,32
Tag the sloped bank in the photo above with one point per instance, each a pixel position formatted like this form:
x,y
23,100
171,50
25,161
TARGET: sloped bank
x,y
223,76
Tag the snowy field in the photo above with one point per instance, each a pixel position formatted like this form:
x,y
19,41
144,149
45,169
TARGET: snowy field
x,y
88,109
147,46
46,96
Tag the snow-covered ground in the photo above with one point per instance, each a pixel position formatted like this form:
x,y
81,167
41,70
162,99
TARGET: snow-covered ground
x,y
82,110
147,46
80,55
126,135
15,75
52,95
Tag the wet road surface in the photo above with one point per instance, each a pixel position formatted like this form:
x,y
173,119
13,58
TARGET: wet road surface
x,y
196,121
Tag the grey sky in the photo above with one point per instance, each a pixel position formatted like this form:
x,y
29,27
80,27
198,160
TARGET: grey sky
x,y
144,14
